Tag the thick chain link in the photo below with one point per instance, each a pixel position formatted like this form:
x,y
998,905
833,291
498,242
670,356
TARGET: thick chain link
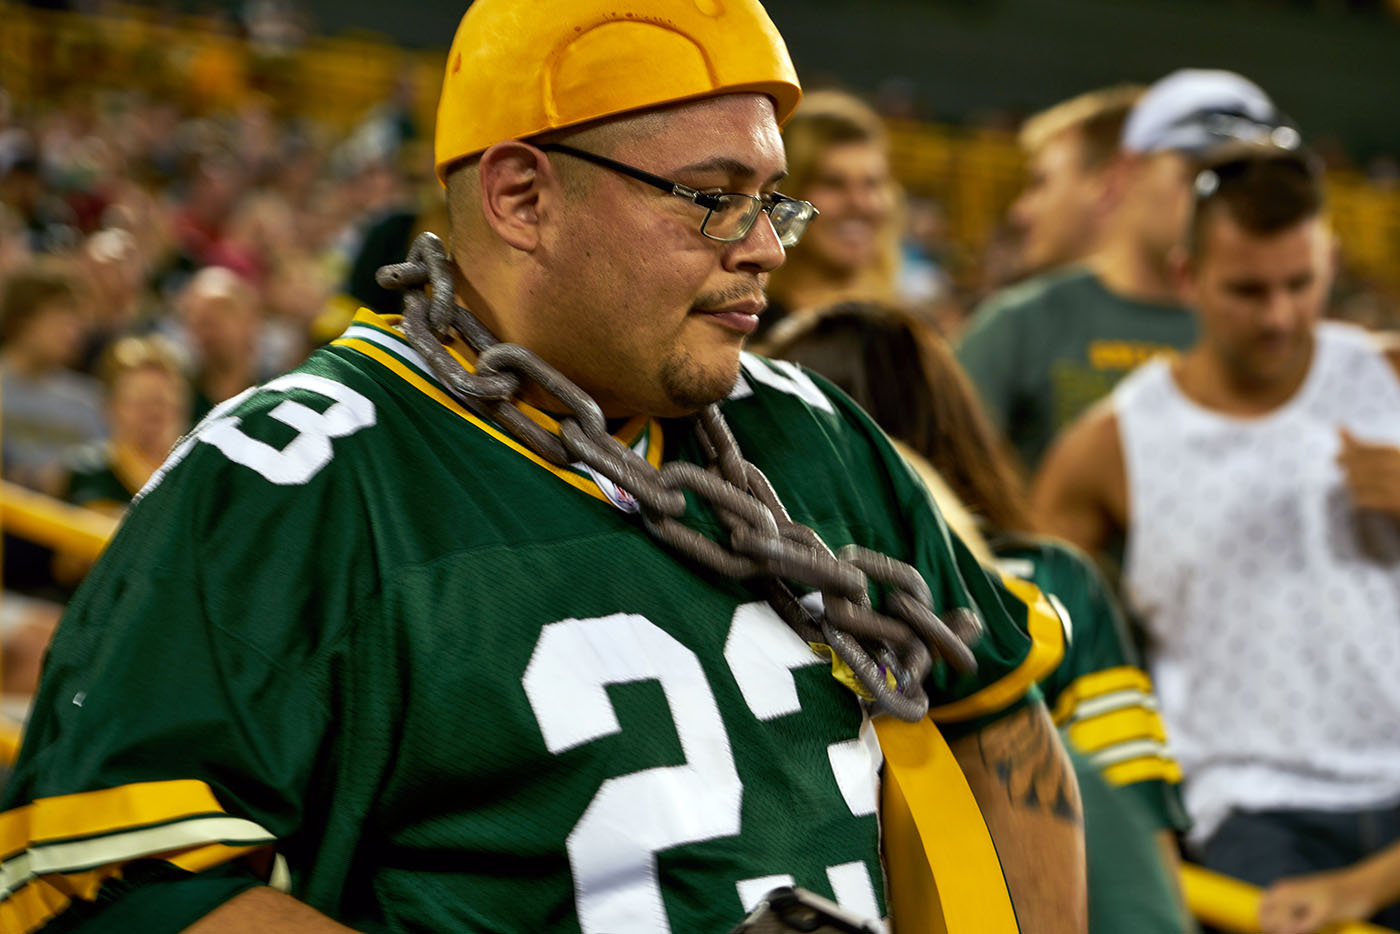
x,y
890,653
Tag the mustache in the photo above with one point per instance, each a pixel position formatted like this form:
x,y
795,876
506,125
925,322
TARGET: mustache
x,y
711,301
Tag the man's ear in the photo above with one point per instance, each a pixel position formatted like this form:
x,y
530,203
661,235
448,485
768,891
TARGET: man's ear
x,y
1115,179
1183,269
516,185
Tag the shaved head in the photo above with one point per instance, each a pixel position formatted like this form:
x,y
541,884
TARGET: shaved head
x,y
606,137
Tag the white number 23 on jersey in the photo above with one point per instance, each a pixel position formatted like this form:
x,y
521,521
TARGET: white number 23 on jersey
x,y
301,458
615,881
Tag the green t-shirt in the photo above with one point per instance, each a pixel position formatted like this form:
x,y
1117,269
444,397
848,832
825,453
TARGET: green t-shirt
x,y
458,689
1043,351
92,481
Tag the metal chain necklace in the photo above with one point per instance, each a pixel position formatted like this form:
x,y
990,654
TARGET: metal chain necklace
x,y
890,653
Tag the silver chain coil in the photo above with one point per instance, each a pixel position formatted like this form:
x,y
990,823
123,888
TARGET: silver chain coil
x,y
890,653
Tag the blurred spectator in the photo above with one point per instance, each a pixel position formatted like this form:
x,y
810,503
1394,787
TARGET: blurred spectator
x,y
223,326
1043,351
275,27
296,294
1257,478
47,223
47,407
209,201
148,409
1070,149
387,240
999,265
26,626
260,232
909,381
923,282
838,159
384,131
14,244
116,282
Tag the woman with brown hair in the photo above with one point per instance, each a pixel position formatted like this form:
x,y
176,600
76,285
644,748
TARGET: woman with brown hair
x,y
906,377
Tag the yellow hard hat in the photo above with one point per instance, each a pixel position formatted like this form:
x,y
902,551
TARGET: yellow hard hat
x,y
518,68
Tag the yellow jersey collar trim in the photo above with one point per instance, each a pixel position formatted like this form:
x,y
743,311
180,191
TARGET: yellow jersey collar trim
x,y
378,337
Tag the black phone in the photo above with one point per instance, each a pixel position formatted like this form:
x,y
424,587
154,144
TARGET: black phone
x,y
789,908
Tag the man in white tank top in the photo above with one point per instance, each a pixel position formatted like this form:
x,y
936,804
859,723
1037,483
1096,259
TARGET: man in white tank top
x,y
1256,480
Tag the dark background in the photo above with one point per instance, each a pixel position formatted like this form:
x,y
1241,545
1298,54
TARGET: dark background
x,y
1334,66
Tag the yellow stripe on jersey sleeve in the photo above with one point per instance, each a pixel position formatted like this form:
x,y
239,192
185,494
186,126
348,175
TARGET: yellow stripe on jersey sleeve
x,y
1111,716
207,857
92,813
65,847
1111,729
1047,648
45,897
1098,684
1143,769
10,738
29,908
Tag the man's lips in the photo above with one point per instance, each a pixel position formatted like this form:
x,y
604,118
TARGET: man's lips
x,y
741,316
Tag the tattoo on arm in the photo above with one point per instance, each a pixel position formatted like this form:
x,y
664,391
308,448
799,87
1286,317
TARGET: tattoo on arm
x,y
1024,753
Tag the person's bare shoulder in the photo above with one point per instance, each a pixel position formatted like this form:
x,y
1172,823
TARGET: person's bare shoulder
x,y
1080,490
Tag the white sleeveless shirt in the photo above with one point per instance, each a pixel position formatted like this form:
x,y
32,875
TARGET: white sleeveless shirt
x,y
1271,601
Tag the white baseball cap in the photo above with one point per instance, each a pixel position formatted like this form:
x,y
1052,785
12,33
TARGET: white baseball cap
x,y
1198,111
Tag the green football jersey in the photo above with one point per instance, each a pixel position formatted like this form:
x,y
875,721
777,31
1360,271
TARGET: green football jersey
x,y
1103,702
1099,695
455,688
1130,886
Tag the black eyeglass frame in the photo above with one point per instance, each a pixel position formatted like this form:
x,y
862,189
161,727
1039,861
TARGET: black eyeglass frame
x,y
710,201
1212,175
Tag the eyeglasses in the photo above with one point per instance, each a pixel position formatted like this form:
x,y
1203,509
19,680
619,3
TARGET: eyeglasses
x,y
729,216
1229,172
1204,131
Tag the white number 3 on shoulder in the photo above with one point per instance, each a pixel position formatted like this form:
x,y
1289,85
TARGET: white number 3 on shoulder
x,y
306,454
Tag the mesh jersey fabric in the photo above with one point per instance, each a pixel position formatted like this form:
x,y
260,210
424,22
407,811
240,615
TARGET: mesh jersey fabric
x,y
456,688
1269,603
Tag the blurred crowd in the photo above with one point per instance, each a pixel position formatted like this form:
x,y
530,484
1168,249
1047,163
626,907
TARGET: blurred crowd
x,y
154,263
115,204
138,239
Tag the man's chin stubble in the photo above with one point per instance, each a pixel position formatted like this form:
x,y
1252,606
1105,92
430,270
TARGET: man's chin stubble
x,y
690,387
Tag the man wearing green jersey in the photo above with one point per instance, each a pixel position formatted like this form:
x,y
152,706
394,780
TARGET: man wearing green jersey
x,y
393,643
